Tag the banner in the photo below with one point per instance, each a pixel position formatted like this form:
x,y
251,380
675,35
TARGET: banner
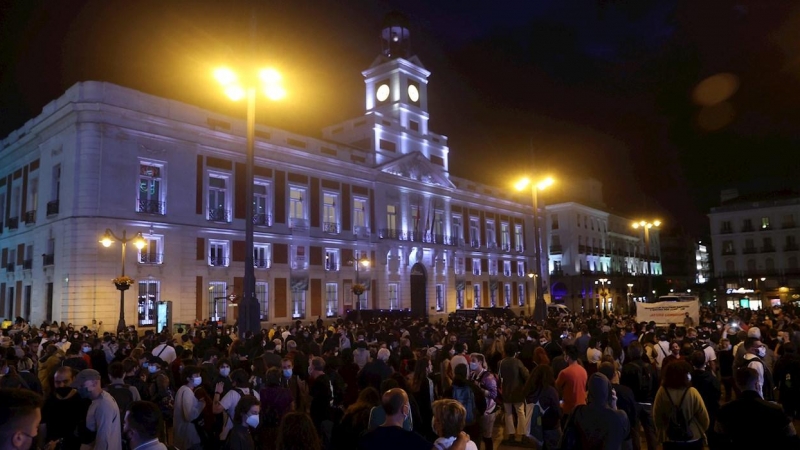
x,y
663,313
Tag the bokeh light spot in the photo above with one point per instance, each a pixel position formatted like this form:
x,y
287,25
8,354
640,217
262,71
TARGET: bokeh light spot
x,y
715,89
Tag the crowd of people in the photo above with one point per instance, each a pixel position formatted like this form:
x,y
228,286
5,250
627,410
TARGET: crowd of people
x,y
579,381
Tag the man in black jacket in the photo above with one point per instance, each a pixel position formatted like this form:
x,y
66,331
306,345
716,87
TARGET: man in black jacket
x,y
626,401
642,378
709,388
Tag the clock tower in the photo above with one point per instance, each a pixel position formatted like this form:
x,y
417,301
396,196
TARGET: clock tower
x,y
396,82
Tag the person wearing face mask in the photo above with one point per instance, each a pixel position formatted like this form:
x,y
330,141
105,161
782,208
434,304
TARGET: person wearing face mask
x,y
391,434
276,401
63,411
141,426
164,351
297,387
20,414
755,351
246,418
103,417
487,383
123,394
227,403
188,408
423,389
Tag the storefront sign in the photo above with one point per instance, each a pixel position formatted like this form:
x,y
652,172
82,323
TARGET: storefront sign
x,y
664,313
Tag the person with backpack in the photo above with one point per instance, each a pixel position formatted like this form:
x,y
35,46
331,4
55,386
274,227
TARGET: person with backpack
x,y
754,355
123,394
449,419
513,375
542,407
598,423
641,377
246,416
470,396
679,414
227,402
487,383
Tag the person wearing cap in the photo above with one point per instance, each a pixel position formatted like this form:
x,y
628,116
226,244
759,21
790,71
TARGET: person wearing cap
x,y
103,418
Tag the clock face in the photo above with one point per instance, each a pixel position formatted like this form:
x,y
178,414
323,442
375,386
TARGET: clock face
x,y
413,93
382,93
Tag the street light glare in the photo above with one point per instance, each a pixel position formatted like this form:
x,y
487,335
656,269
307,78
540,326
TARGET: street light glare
x,y
234,92
269,76
275,92
657,223
544,184
522,184
225,76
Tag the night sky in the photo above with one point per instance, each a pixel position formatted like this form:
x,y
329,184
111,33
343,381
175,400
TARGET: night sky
x,y
607,89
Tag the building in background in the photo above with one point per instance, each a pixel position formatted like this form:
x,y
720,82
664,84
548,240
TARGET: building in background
x,y
755,249
376,187
596,259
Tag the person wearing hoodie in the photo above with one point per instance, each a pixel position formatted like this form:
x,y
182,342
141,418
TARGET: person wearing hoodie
x,y
599,423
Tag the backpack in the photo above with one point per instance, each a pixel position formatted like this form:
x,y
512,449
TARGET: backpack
x,y
464,395
678,427
537,430
767,390
123,396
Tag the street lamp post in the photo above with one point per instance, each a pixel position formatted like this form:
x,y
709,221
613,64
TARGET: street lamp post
x,y
646,226
540,310
358,289
604,292
249,311
630,298
534,276
108,238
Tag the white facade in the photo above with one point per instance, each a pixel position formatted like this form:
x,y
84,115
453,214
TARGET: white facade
x,y
586,244
107,157
756,239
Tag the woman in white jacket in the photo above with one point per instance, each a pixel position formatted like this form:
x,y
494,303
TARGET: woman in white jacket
x,y
187,409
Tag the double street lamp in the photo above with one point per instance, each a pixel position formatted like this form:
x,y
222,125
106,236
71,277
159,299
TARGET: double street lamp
x,y
540,309
122,282
237,88
646,226
604,292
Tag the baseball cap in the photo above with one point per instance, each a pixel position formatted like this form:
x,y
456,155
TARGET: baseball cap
x,y
84,376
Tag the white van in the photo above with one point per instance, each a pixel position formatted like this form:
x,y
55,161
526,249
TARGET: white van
x,y
558,308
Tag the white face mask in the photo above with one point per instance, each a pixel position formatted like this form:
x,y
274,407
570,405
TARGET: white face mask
x,y
252,421
225,371
196,381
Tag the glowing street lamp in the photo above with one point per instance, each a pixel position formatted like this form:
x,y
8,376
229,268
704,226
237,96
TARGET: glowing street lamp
x,y
138,240
237,87
540,310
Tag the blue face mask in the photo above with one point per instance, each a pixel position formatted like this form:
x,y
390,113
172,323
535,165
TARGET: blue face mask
x,y
84,392
287,373
152,369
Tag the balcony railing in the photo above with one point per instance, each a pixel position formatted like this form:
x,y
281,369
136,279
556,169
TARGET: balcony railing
x,y
582,249
13,223
728,251
10,267
491,245
218,261
555,250
506,247
27,264
767,249
263,220
219,215
261,263
388,233
150,206
749,250
52,207
330,227
29,217
726,230
361,232
791,247
331,266
766,227
747,228
48,260
298,224
475,244
151,258
519,248
557,272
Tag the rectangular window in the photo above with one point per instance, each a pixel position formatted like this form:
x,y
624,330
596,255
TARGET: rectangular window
x,y
218,198
262,294
360,226
150,197
330,213
518,238
765,223
217,300
521,268
456,233
26,300
579,220
148,298
152,252
262,256
218,253
521,294
507,295
491,236
747,225
299,259
554,222
394,296
262,204
726,227
33,200
332,259
439,297
299,305
438,224
505,236
55,186
474,232
476,266
297,208
476,295
391,218
331,299
459,298
492,297
507,268
458,265
492,267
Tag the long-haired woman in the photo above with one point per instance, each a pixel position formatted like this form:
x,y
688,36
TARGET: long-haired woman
x,y
297,432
